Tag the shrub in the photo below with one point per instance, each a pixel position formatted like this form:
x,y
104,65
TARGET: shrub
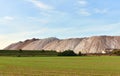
x,y
80,54
67,53
116,52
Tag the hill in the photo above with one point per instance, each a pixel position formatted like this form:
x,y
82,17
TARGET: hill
x,y
94,44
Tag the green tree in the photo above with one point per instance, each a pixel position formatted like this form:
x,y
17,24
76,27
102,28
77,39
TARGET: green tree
x,y
80,54
67,53
20,52
116,52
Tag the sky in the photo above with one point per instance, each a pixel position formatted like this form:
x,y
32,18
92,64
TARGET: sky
x,y
26,19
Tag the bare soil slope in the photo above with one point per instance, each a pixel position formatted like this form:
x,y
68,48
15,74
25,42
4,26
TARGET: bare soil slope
x,y
95,44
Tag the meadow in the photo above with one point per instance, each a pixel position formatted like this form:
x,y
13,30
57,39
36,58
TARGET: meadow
x,y
60,66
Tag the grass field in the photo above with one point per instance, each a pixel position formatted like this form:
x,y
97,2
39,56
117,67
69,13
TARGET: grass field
x,y
60,66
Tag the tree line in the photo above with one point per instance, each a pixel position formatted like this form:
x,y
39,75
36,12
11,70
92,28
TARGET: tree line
x,y
22,53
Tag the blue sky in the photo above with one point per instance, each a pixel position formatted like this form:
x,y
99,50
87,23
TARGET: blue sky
x,y
25,19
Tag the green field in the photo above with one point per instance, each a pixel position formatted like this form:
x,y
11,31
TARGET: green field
x,y
60,66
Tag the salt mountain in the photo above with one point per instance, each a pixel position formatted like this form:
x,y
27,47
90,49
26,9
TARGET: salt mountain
x,y
95,44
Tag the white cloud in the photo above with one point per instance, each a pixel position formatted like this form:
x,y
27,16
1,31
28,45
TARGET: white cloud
x,y
41,21
41,5
6,19
101,11
46,9
83,2
82,9
84,12
100,28
82,5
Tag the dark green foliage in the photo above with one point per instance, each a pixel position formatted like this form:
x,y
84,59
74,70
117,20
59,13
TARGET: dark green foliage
x,y
42,50
30,53
80,54
21,53
116,52
67,53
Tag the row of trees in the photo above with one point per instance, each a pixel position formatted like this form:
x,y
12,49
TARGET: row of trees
x,y
64,53
115,52
52,53
27,53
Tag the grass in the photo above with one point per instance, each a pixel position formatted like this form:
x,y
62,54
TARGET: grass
x,y
60,66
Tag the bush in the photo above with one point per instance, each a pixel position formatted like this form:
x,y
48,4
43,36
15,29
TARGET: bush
x,y
80,54
67,53
116,52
